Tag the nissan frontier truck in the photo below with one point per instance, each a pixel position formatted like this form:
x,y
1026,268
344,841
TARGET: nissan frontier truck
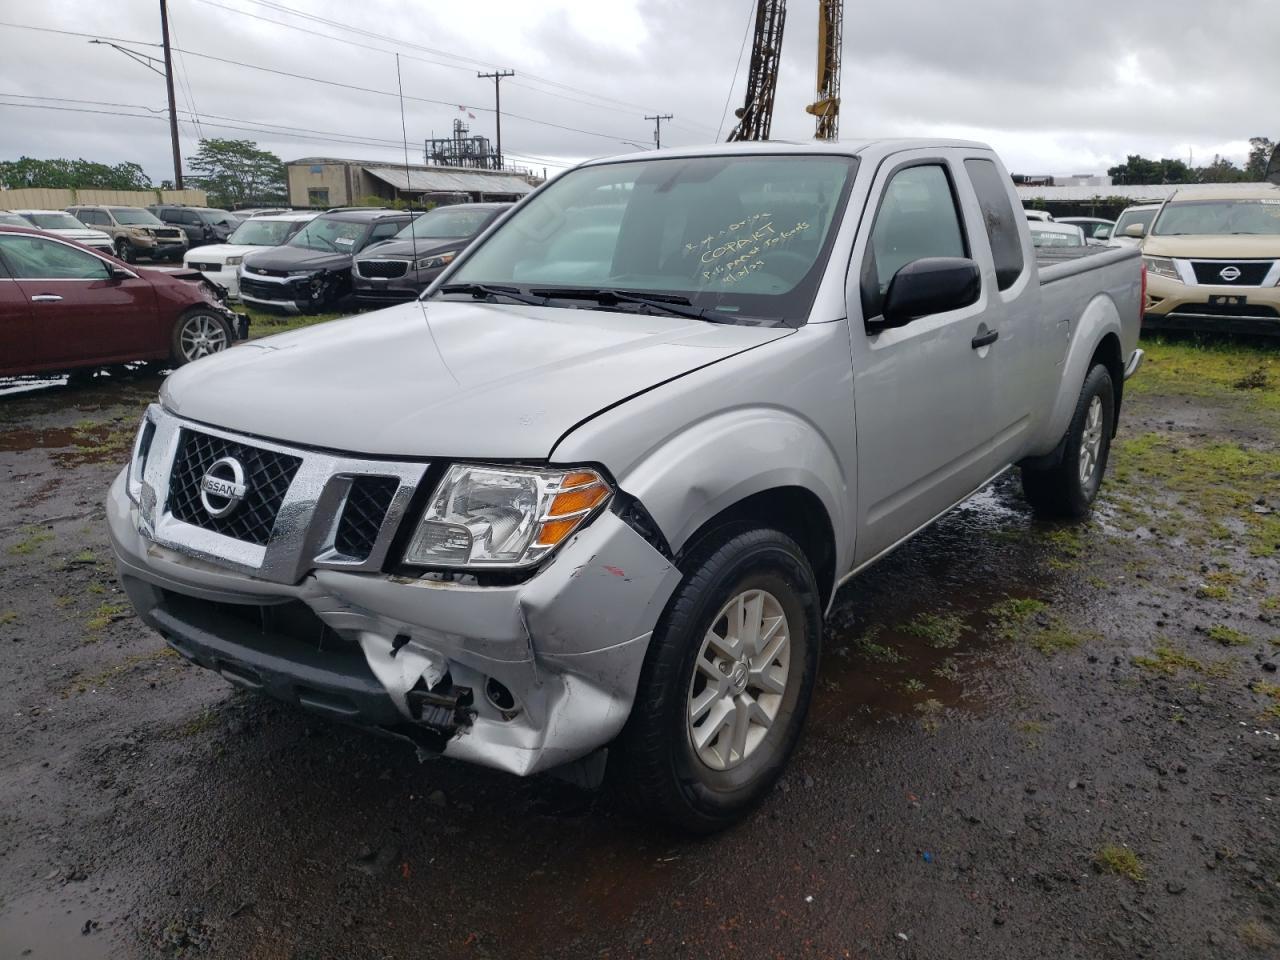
x,y
589,499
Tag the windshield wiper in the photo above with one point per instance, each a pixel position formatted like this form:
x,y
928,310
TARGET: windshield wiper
x,y
670,303
484,291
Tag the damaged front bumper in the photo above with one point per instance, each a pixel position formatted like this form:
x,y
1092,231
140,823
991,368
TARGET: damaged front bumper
x,y
521,677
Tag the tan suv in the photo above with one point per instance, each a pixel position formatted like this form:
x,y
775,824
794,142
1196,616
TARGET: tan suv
x,y
1213,260
134,232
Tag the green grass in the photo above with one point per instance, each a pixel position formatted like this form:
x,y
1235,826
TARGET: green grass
x,y
1228,372
1229,637
106,613
940,630
1167,660
1121,861
867,647
263,323
7,617
33,538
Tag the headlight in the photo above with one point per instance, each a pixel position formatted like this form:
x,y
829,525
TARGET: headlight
x,y
504,516
234,261
431,263
140,231
138,461
1162,267
300,273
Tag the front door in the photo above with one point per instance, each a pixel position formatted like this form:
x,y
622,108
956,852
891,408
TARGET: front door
x,y
15,327
79,312
922,392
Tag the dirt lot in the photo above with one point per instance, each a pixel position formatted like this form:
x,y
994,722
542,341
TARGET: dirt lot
x,y
1029,741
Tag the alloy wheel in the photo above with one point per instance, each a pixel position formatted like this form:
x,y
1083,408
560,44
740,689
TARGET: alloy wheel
x,y
201,336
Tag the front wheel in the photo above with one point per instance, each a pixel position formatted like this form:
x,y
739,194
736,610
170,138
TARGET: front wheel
x,y
199,333
125,251
1069,488
725,685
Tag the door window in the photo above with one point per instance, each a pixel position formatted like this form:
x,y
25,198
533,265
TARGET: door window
x,y
998,218
384,231
917,218
35,258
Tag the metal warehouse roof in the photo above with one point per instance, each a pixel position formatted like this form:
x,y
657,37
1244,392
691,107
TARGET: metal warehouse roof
x,y
1136,192
440,180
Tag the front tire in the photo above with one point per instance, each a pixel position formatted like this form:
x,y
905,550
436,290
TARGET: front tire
x,y
725,686
1068,489
125,251
198,333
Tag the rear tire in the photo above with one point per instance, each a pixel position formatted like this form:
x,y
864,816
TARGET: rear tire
x,y
1068,489
198,333
725,686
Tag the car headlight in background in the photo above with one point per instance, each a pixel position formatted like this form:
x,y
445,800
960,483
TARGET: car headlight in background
x,y
1162,267
234,261
507,517
432,263
140,231
300,273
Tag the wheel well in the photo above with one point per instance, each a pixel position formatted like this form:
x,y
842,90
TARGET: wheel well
x,y
794,511
1108,353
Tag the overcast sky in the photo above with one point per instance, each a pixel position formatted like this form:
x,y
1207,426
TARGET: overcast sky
x,y
1057,87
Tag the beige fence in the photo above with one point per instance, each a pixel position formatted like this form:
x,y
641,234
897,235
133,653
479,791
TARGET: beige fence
x,y
40,198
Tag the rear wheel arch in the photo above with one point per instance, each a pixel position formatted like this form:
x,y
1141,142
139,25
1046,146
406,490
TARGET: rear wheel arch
x,y
1108,353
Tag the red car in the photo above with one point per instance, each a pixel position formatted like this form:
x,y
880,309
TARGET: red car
x,y
64,307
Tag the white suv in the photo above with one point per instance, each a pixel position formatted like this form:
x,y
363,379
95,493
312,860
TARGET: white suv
x,y
220,262
64,224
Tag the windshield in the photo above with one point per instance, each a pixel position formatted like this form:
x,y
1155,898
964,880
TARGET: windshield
x,y
1056,238
443,223
1219,217
261,233
135,217
55,221
739,235
322,233
218,216
13,220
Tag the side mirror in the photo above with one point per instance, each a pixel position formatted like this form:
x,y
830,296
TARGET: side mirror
x,y
118,273
1103,233
1135,230
930,285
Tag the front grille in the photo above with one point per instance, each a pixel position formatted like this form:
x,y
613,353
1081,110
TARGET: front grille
x,y
267,478
1227,310
384,269
169,234
362,517
266,291
1252,272
207,267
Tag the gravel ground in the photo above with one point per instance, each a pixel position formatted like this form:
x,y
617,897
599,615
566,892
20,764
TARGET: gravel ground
x,y
1028,740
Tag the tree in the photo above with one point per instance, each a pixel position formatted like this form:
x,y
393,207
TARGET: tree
x,y
1221,170
64,174
235,172
1138,169
1259,153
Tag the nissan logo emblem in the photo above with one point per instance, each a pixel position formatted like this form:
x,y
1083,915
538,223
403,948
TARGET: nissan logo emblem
x,y
222,488
1230,274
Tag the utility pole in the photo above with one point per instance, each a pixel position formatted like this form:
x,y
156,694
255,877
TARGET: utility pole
x,y
173,107
657,130
497,76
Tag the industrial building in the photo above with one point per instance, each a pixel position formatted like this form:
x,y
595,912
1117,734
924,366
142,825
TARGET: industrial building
x,y
330,182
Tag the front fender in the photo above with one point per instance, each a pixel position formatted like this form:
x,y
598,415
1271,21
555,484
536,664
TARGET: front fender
x,y
716,462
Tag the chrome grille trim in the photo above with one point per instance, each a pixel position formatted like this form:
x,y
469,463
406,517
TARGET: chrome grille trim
x,y
306,526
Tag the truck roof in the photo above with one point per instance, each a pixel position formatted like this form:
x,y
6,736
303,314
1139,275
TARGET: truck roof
x,y
844,148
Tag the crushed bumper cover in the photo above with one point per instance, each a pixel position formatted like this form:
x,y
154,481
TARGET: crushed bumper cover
x,y
413,657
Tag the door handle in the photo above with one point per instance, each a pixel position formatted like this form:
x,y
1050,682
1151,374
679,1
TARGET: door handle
x,y
46,298
984,339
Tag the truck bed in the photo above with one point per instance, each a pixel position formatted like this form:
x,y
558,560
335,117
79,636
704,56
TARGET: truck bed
x,y
1055,263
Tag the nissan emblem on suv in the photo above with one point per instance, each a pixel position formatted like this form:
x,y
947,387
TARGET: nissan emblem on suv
x,y
223,488
1230,273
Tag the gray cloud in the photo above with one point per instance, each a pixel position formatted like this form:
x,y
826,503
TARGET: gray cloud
x,y
1056,87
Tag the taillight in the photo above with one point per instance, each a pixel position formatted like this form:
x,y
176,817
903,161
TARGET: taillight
x,y
1144,286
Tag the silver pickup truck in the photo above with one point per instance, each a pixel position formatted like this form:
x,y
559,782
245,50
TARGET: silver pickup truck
x,y
598,487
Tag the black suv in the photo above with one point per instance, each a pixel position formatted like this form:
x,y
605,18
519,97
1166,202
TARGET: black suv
x,y
313,270
401,269
201,224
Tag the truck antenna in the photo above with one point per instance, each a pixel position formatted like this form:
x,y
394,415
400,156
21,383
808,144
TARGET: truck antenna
x,y
404,135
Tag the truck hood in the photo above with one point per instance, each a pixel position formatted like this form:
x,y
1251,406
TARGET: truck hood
x,y
447,379
83,236
296,258
407,249
1213,247
220,252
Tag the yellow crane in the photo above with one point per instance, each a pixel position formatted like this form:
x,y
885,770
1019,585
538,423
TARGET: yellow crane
x,y
756,114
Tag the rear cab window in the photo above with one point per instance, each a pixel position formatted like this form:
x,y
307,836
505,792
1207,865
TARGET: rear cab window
x,y
998,218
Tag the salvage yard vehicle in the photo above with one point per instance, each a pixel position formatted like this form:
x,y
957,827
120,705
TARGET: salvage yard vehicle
x,y
1056,234
590,498
313,270
1095,228
220,263
403,267
1139,216
1213,258
65,308
201,224
62,224
134,232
